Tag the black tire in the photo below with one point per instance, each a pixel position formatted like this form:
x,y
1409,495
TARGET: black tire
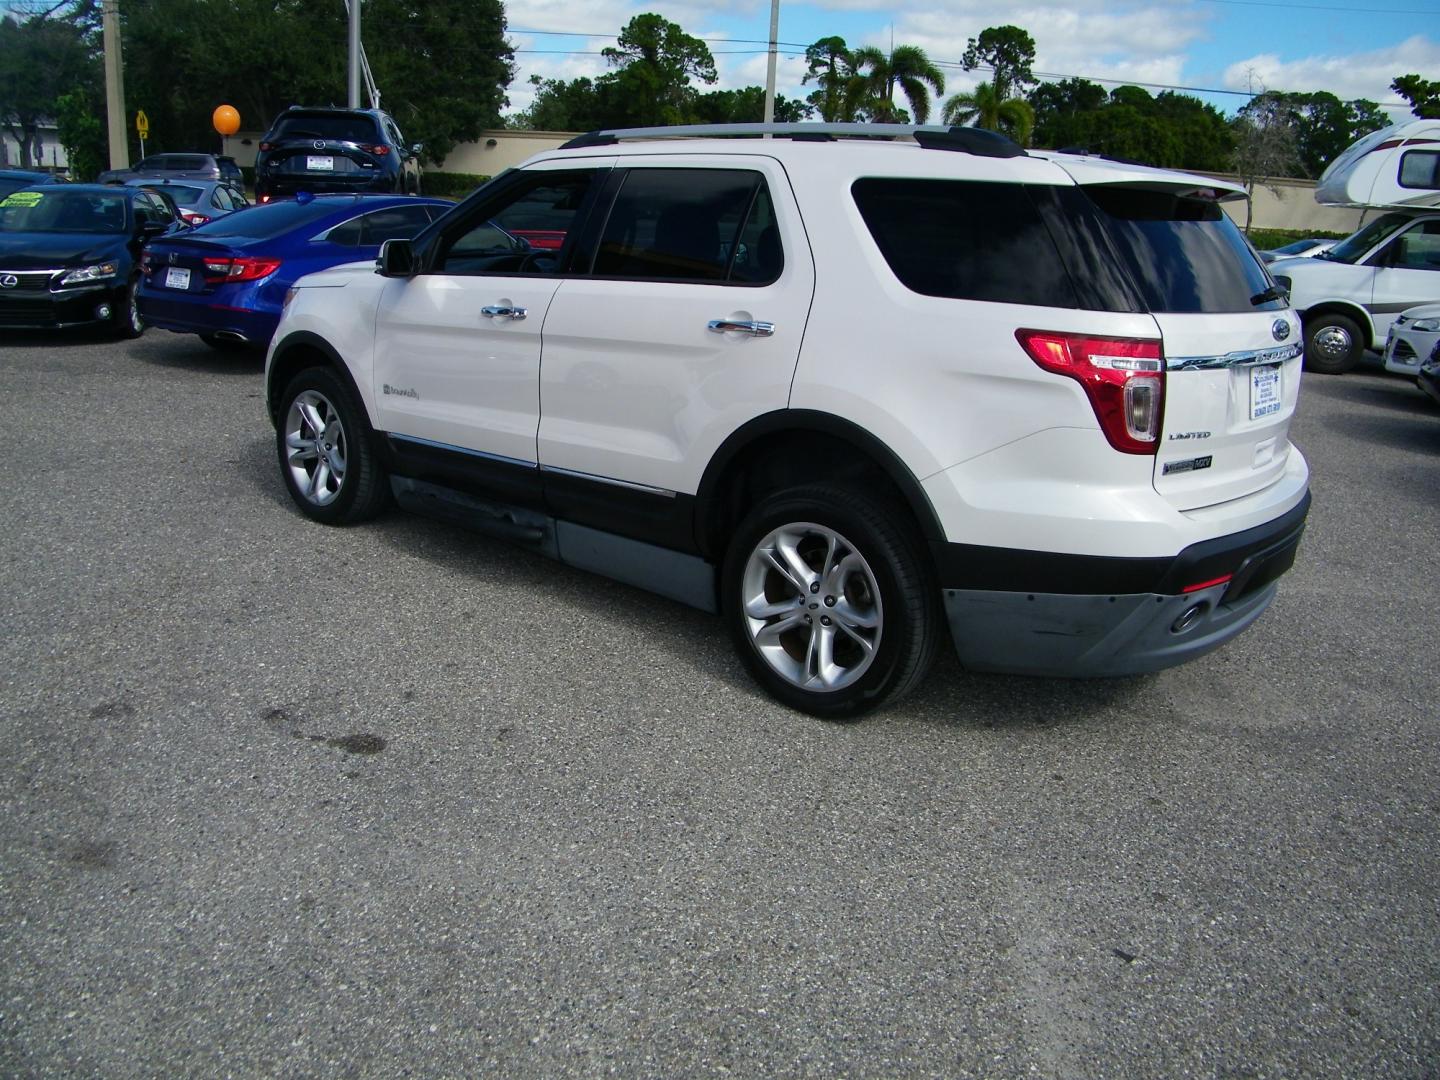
x,y
1333,344
126,318
331,470
908,618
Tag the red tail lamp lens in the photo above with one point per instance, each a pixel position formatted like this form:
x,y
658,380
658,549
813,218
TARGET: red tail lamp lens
x,y
1124,378
242,269
379,150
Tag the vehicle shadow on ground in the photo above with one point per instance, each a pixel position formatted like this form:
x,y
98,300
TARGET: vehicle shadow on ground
x,y
950,697
187,352
51,339
1412,429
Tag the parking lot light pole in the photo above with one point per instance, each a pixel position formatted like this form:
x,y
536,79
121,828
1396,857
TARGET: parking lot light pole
x,y
770,65
354,91
114,87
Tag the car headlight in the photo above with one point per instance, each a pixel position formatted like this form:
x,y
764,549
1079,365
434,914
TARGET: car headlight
x,y
98,272
1428,326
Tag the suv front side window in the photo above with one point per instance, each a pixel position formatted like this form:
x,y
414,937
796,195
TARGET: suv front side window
x,y
486,242
690,225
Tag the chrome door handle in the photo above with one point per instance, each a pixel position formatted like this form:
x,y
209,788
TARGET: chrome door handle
x,y
753,327
499,311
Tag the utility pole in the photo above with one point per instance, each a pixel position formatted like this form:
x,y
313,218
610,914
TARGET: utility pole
x,y
770,65
114,86
354,54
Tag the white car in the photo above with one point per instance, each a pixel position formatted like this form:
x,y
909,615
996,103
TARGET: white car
x,y
1412,338
860,395
1349,295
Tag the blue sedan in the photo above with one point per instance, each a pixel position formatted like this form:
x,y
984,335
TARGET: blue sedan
x,y
226,280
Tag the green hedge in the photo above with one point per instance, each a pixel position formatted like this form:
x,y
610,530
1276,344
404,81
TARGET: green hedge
x,y
455,185
1269,239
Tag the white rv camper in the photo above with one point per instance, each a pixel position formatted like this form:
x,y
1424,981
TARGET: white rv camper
x,y
1397,166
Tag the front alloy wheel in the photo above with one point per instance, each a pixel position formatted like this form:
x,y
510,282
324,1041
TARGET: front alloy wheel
x,y
325,451
315,439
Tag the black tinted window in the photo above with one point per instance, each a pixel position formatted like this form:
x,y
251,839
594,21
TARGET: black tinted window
x,y
965,239
485,242
395,223
272,219
676,224
340,127
1420,169
1184,254
177,162
347,233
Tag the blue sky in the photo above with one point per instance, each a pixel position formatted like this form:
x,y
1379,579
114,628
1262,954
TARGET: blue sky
x,y
1353,48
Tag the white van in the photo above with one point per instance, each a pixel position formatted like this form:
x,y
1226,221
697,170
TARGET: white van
x,y
1348,296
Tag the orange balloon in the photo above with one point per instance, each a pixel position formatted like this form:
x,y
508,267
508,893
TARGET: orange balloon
x,y
226,120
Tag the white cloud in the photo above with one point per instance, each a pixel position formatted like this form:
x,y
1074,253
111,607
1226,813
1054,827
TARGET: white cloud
x,y
1354,75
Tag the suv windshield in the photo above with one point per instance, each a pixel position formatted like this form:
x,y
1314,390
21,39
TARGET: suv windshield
x,y
63,212
1185,254
1354,247
337,127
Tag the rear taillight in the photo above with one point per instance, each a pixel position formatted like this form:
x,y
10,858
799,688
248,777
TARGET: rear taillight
x,y
267,146
219,271
1124,378
193,218
378,150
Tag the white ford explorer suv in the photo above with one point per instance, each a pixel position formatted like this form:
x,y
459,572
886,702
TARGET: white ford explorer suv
x,y
849,392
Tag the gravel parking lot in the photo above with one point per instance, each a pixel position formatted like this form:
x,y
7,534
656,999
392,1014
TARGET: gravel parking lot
x,y
399,800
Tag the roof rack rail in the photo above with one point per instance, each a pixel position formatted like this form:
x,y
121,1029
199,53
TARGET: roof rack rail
x,y
966,140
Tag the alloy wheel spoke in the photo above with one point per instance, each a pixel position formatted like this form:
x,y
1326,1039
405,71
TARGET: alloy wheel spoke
x,y
787,545
758,607
783,569
769,634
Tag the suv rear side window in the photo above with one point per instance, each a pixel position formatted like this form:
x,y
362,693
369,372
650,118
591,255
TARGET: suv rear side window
x,y
691,225
964,239
1185,255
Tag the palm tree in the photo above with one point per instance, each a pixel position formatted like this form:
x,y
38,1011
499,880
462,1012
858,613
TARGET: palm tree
x,y
832,66
907,67
989,108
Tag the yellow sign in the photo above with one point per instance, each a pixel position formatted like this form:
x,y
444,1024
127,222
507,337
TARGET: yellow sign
x,y
23,198
142,124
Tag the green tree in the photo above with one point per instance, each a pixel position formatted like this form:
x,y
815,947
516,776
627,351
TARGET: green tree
x,y
1423,95
907,69
442,67
1009,52
1064,111
77,116
745,106
987,109
41,59
1266,144
831,66
656,60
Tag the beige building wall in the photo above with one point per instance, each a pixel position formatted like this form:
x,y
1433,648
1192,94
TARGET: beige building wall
x,y
1290,204
496,151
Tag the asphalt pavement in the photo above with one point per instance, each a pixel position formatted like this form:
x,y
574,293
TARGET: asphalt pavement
x,y
280,799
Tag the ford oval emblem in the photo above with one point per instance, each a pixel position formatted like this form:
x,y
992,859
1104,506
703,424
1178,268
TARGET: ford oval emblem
x,y
9,281
1281,329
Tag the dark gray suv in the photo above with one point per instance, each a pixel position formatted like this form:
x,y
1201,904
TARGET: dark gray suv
x,y
328,149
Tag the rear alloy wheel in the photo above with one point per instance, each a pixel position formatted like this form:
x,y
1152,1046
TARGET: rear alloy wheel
x,y
325,451
1333,344
127,320
829,601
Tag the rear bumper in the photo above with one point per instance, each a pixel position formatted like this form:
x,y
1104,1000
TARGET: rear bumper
x,y
195,316
282,186
1086,617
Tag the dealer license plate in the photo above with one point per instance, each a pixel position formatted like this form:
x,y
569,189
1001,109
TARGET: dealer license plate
x,y
1265,399
320,164
177,277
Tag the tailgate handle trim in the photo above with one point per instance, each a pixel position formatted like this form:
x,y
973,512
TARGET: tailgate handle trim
x,y
1245,358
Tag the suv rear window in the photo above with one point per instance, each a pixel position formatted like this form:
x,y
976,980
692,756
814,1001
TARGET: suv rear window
x,y
341,127
965,239
175,162
1185,255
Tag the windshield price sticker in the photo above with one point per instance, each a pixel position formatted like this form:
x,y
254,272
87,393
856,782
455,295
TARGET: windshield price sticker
x,y
1265,399
23,198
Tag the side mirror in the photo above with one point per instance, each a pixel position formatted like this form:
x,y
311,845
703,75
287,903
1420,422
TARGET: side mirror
x,y
396,259
416,148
